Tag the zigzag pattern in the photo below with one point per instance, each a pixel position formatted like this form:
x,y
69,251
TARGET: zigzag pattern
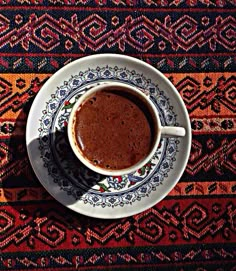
x,y
193,43
190,189
220,158
217,155
203,188
222,93
164,62
127,256
52,228
14,97
48,33
214,92
125,3
212,154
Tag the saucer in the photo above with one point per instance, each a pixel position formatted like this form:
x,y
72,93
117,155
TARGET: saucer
x,y
70,182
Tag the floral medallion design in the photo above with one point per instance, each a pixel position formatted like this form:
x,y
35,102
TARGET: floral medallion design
x,y
72,176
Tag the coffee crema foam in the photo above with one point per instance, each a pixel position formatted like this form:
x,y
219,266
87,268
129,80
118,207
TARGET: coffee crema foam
x,y
114,129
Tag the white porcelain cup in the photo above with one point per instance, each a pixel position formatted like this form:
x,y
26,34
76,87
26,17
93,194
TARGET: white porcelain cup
x,y
160,131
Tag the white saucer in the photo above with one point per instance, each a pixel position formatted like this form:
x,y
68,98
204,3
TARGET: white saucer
x,y
71,183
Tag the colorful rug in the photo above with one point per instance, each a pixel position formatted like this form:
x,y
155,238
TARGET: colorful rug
x,y
193,43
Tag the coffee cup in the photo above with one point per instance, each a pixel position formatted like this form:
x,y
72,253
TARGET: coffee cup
x,y
115,129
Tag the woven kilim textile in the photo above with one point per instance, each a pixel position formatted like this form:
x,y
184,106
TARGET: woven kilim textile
x,y
193,43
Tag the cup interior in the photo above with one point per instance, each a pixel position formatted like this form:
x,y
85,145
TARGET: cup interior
x,y
150,113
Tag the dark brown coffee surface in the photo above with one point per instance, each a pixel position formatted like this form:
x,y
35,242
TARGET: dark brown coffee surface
x,y
114,129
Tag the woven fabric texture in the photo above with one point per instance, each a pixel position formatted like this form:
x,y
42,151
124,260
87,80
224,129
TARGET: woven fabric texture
x,y
193,43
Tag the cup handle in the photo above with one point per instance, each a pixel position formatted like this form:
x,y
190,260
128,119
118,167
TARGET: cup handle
x,y
172,131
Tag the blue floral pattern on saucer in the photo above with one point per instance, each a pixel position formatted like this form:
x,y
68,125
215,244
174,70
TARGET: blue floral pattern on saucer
x,y
74,178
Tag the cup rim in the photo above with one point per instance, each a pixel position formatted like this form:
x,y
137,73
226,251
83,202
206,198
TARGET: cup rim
x,y
88,163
